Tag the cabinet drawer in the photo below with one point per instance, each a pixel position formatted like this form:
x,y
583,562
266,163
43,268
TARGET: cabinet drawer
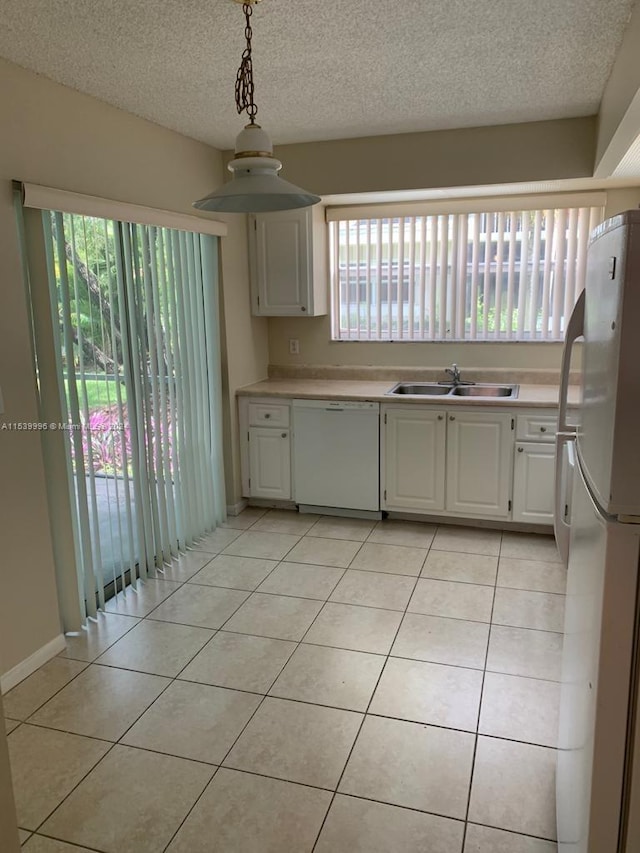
x,y
269,414
537,427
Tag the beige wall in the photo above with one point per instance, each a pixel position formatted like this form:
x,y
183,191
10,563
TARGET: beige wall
x,y
317,348
535,151
620,200
57,137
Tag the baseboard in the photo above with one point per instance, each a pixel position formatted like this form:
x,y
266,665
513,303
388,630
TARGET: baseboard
x,y
236,509
486,523
372,515
28,666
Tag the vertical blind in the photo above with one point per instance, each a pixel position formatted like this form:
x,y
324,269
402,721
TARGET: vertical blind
x,y
512,275
137,339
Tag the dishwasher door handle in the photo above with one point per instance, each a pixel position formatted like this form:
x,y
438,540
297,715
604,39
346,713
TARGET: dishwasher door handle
x,y
333,410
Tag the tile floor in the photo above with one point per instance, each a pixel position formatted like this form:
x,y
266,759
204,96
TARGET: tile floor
x,y
299,684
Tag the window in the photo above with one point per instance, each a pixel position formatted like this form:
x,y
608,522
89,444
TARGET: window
x,y
476,276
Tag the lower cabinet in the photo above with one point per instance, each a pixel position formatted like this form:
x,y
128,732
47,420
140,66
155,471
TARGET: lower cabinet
x,y
444,461
533,483
479,454
435,461
269,463
414,460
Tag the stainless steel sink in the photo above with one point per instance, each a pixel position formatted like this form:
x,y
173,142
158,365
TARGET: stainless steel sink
x,y
431,389
481,390
424,389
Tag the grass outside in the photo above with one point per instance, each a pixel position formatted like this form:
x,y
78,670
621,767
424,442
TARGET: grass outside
x,y
99,393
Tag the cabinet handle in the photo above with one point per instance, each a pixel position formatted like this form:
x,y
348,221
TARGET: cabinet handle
x,y
284,435
302,308
267,416
521,450
452,417
543,429
440,417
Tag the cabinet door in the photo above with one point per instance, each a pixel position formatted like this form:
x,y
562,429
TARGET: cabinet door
x,y
533,483
479,456
414,459
288,262
269,463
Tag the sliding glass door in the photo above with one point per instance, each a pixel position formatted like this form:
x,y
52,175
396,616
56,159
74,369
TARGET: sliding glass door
x,y
136,334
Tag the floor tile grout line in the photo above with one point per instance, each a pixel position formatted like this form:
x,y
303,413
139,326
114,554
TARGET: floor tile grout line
x,y
477,733
269,695
98,662
254,592
322,601
257,708
364,717
513,831
151,618
44,727
280,563
558,562
53,695
112,744
75,787
400,806
262,702
179,585
301,640
172,679
259,705
325,646
357,604
93,620
70,843
189,811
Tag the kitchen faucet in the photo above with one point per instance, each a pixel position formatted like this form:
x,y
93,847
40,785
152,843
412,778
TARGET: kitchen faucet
x,y
454,373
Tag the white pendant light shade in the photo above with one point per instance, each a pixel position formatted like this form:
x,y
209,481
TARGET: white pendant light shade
x,y
255,187
256,191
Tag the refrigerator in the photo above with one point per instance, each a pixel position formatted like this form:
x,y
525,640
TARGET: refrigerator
x,y
598,533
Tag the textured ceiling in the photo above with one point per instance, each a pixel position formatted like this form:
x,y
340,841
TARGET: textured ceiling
x,y
325,69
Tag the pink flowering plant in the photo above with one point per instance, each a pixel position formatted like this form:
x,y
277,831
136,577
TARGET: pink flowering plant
x,y
106,440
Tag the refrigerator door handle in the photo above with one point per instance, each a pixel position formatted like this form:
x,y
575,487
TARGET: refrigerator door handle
x,y
575,330
565,465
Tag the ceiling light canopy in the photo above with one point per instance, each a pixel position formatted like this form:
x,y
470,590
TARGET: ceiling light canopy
x,y
255,186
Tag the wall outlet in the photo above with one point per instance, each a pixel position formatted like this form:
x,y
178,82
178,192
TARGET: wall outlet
x,y
294,346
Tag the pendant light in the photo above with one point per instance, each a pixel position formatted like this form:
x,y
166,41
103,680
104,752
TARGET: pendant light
x,y
255,186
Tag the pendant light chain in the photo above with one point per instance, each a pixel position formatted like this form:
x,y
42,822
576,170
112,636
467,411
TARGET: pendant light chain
x,y
244,78
256,186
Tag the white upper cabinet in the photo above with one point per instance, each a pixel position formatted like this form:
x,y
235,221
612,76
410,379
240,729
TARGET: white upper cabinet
x,y
288,263
413,459
479,457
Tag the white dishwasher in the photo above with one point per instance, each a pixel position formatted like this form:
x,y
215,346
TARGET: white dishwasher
x,y
336,451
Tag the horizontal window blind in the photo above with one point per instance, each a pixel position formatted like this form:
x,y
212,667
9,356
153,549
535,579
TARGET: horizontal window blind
x,y
478,276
